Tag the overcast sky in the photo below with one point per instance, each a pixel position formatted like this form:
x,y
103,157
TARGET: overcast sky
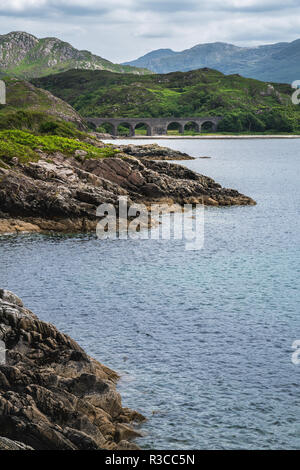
x,y
121,30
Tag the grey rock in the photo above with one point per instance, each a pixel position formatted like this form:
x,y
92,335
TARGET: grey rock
x,y
52,394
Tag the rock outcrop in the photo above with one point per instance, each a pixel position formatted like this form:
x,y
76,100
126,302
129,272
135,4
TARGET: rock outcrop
x,y
62,194
154,152
53,396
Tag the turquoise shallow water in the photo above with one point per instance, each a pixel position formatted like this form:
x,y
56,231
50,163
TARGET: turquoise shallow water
x,y
202,338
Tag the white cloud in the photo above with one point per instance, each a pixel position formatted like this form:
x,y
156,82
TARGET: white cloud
x,y
125,29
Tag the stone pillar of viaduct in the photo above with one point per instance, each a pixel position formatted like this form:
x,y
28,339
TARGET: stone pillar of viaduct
x,y
155,126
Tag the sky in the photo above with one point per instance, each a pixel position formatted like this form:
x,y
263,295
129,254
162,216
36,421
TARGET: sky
x,y
121,30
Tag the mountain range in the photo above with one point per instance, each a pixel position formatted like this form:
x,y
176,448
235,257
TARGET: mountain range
x,y
278,62
23,55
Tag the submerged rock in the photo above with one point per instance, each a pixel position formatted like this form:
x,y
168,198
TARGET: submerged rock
x,y
52,394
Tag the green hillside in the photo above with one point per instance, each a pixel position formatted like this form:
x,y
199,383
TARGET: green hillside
x,y
34,121
23,55
246,104
23,95
31,108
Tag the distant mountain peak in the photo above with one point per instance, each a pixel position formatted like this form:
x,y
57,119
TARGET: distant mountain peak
x,y
278,62
163,51
25,56
18,34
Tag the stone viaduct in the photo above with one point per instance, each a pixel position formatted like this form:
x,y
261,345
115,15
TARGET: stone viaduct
x,y
155,126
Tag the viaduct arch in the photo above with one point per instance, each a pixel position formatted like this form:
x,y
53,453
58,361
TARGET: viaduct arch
x,y
155,126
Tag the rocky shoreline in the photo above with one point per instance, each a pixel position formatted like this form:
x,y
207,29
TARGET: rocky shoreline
x,y
53,396
61,193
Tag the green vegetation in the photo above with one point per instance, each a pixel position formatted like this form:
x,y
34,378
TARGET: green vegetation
x,y
247,105
26,146
274,120
30,108
38,122
22,95
34,121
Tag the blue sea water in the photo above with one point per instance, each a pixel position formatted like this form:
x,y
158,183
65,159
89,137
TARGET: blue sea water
x,y
202,339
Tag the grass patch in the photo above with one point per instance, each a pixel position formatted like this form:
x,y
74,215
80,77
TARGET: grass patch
x,y
25,146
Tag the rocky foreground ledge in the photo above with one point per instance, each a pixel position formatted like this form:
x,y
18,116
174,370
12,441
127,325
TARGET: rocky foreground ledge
x,y
62,193
53,396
